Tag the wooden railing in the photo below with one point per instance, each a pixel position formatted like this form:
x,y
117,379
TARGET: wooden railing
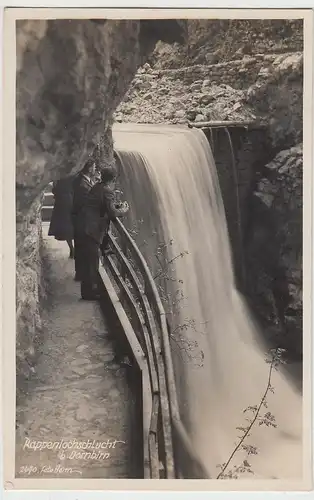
x,y
167,449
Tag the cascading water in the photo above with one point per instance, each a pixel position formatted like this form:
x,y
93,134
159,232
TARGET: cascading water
x,y
169,179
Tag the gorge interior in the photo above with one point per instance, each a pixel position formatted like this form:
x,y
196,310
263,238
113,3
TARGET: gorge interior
x,y
170,181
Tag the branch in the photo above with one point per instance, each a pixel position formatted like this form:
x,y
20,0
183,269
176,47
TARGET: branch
x,y
249,428
168,263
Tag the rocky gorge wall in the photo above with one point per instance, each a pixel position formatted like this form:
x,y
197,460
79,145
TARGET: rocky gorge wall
x,y
30,292
71,75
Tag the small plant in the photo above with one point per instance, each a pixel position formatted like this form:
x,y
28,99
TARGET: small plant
x,y
257,418
188,346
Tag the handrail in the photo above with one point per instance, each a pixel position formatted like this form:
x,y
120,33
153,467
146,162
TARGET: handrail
x,y
132,276
179,445
252,124
150,323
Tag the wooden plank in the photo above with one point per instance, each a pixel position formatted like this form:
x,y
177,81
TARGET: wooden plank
x,y
164,400
137,313
146,412
153,440
126,297
127,267
150,285
141,362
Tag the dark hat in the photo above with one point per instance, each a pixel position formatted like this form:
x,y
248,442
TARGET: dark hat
x,y
108,174
88,165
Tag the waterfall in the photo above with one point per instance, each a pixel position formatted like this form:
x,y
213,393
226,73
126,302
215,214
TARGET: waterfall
x,y
170,181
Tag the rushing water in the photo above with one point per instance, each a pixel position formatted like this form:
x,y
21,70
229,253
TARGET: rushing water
x,y
169,179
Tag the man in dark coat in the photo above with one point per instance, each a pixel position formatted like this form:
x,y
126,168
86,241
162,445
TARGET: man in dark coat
x,y
82,184
61,225
99,208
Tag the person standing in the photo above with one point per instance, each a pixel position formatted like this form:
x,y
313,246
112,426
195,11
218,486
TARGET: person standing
x,y
61,226
99,208
82,184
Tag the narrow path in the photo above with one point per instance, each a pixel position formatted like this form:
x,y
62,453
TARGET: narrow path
x,y
79,393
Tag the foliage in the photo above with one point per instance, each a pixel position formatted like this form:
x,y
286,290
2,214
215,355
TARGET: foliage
x,y
258,417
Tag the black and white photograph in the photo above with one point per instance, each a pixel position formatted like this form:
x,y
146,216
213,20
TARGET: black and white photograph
x,y
160,329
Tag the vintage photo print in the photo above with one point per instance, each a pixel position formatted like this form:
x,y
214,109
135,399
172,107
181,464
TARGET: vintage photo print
x,y
157,294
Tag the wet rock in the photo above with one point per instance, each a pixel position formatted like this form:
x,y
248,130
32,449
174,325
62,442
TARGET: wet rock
x,y
80,362
277,94
79,371
277,60
247,60
179,114
293,62
84,413
212,58
200,118
264,72
206,83
137,83
191,115
276,269
196,86
206,99
119,117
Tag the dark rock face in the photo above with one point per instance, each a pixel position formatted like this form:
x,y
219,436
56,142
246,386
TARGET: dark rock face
x,y
274,246
211,41
30,290
237,171
71,75
277,95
